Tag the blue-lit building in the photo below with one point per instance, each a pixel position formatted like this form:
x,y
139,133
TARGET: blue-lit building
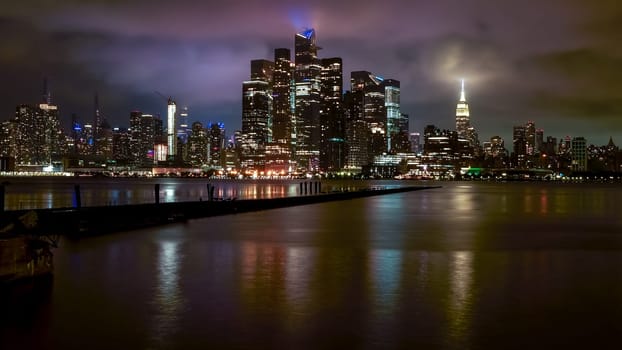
x,y
307,76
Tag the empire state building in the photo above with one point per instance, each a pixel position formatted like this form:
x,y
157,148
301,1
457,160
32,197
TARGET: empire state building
x,y
463,121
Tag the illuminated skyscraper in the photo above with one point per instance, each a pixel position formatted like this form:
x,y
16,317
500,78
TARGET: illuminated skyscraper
x,y
392,108
281,92
39,135
182,125
530,137
357,131
332,122
307,77
121,152
257,113
216,144
519,143
379,101
463,121
97,120
142,138
8,133
197,145
171,124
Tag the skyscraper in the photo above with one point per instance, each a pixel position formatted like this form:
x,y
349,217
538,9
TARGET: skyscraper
x,y
197,145
392,108
142,138
463,121
256,114
281,92
530,138
39,138
519,143
357,131
171,123
307,77
332,122
578,149
216,144
373,104
182,125
464,128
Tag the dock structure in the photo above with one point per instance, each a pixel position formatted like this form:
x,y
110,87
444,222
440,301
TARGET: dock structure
x,y
86,221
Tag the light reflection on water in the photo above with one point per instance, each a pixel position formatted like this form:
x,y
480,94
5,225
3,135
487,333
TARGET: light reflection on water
x,y
168,300
465,266
460,295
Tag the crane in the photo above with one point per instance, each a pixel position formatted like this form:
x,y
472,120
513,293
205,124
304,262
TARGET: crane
x,y
168,99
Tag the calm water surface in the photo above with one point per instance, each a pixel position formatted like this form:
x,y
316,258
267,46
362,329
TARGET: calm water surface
x,y
469,265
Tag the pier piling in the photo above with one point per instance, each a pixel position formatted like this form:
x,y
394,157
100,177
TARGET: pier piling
x,y
156,193
2,191
78,197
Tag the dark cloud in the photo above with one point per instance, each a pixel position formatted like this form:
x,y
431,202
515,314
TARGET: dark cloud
x,y
553,62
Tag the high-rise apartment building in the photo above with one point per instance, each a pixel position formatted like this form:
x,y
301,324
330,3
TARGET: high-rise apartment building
x,y
578,149
142,138
8,134
39,138
121,151
197,145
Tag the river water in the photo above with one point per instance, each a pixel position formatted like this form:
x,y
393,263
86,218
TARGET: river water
x,y
468,265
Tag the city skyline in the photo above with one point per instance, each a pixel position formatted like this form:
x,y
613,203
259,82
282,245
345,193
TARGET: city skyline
x,y
555,71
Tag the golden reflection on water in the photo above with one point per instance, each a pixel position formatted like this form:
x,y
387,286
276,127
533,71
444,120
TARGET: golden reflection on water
x,y
462,203
544,202
460,295
297,277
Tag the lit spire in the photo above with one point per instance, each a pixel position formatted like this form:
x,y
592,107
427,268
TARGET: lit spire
x,y
462,97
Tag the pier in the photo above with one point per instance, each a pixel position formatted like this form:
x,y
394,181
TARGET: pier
x,y
86,221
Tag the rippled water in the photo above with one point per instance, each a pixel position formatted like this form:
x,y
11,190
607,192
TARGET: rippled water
x,y
469,265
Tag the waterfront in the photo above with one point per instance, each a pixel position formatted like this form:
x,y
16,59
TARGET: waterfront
x,y
469,265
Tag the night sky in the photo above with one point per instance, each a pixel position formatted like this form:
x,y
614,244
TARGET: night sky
x,y
556,62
